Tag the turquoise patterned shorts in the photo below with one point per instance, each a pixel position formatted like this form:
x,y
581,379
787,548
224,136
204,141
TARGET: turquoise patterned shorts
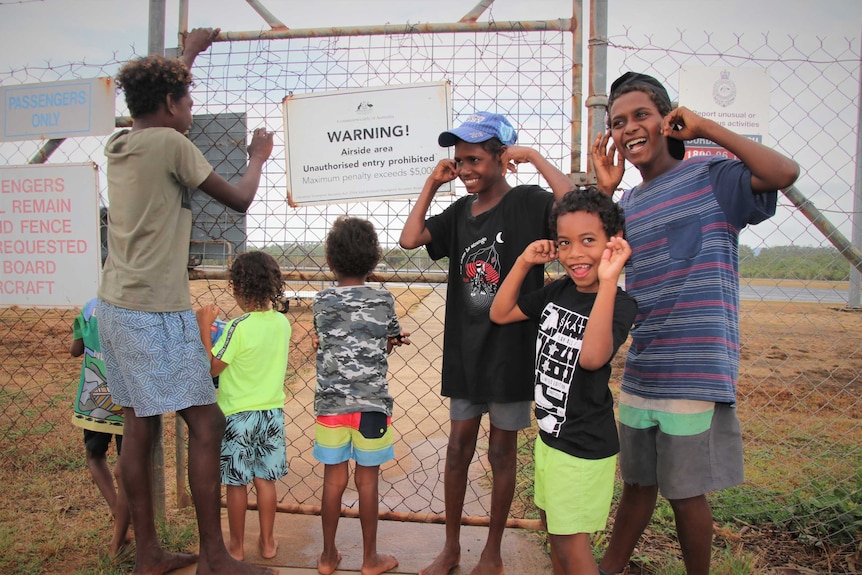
x,y
253,446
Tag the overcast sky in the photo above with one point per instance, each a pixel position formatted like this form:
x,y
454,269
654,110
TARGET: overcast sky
x,y
35,31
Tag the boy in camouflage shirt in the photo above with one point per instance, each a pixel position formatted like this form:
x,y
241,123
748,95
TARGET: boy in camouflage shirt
x,y
355,328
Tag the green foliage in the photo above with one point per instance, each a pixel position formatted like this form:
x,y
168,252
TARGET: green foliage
x,y
792,262
833,516
729,562
179,536
725,561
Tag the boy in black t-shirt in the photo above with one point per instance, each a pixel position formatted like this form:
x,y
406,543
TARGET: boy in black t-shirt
x,y
583,319
486,368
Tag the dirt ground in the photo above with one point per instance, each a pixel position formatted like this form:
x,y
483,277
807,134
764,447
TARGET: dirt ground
x,y
799,383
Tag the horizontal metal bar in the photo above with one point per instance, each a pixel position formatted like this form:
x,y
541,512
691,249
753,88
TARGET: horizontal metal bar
x,y
407,516
561,24
428,277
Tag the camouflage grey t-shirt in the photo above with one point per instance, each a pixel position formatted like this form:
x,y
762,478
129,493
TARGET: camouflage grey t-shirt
x,y
353,323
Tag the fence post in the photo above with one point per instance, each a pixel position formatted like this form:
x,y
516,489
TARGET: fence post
x,y
156,45
575,173
853,299
597,97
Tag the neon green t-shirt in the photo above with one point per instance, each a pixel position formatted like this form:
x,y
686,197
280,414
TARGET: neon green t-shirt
x,y
255,347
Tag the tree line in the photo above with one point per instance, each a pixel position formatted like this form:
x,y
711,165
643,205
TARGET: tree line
x,y
793,262
778,262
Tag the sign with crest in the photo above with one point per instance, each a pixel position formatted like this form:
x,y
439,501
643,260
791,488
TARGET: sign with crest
x,y
736,98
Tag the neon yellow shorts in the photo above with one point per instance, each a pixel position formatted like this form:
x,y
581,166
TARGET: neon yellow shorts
x,y
365,436
574,493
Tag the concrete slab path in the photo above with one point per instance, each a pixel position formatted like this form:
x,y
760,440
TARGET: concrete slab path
x,y
414,544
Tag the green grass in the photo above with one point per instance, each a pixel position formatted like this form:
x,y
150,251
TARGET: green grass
x,y
175,537
821,515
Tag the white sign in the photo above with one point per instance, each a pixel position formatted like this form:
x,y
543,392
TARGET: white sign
x,y
49,235
364,144
58,109
736,98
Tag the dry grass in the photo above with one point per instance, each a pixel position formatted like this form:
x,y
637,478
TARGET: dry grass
x,y
800,392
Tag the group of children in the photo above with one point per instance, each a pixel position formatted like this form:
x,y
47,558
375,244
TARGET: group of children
x,y
511,343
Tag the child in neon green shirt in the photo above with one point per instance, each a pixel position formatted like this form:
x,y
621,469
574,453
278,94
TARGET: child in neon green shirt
x,y
250,358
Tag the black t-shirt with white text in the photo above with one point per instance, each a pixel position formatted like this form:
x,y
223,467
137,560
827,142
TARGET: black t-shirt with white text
x,y
574,406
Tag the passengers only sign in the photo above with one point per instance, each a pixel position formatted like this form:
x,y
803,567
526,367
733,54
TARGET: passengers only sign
x,y
364,144
57,109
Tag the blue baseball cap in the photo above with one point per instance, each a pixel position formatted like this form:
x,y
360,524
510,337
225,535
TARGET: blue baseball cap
x,y
480,127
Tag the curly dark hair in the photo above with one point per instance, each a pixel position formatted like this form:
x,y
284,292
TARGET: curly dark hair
x,y
664,107
147,82
590,199
352,247
256,277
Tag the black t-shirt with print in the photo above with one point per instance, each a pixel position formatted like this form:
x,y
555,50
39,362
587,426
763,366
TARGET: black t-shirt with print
x,y
484,362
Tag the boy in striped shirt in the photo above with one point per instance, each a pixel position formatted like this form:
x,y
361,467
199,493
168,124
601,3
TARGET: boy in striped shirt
x,y
679,433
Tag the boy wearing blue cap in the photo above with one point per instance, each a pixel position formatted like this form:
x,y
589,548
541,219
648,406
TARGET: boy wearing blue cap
x,y
678,427
487,368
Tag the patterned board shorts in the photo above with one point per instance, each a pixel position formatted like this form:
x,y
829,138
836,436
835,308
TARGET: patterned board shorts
x,y
365,436
253,446
155,362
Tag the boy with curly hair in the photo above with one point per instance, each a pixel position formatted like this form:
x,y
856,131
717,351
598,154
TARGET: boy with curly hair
x,y
250,360
583,318
356,327
154,358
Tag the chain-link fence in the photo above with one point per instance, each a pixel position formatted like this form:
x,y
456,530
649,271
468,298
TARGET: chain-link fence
x,y
802,351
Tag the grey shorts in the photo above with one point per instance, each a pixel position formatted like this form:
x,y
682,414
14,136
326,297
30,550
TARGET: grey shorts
x,y
155,362
654,450
506,416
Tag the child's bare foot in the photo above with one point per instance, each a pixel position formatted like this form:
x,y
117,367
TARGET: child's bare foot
x,y
119,544
443,563
269,550
227,565
380,564
328,563
236,549
488,566
163,563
